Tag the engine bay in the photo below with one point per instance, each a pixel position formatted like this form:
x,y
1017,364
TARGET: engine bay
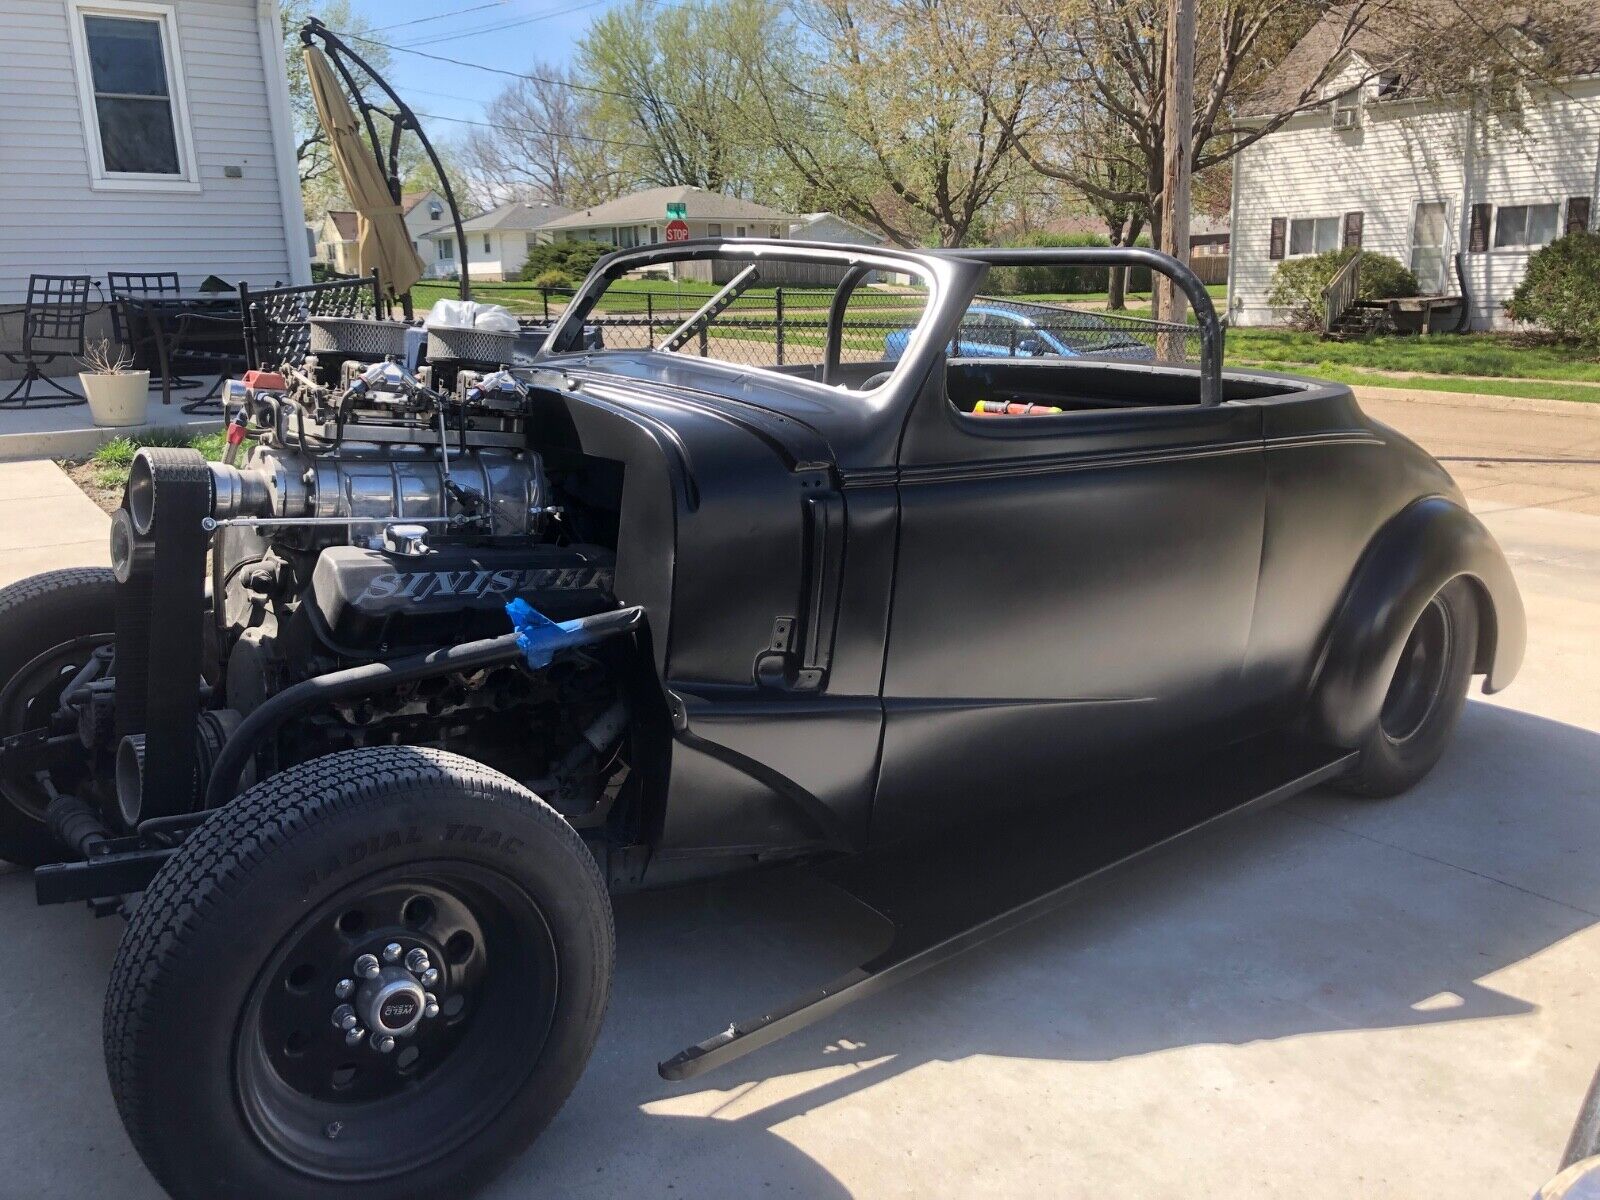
x,y
360,516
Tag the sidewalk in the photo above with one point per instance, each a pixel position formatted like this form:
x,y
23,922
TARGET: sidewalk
x,y
70,432
46,522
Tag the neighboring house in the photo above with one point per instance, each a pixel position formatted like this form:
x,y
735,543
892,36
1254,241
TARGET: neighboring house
x,y
337,236
640,219
1421,180
147,137
497,241
425,213
336,241
831,227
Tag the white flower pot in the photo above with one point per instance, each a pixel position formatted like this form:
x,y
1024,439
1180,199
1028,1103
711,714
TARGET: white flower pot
x,y
117,399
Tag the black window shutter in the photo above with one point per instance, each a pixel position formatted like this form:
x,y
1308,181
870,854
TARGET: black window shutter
x,y
1577,215
1280,232
1353,221
1478,229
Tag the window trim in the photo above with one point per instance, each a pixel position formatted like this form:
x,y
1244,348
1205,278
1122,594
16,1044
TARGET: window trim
x,y
166,16
1288,234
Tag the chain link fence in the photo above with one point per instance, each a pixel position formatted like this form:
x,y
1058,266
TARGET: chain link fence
x,y
787,326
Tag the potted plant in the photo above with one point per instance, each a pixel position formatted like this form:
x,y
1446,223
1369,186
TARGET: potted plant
x,y
117,395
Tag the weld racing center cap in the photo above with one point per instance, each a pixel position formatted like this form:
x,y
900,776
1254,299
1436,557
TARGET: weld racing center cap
x,y
395,1006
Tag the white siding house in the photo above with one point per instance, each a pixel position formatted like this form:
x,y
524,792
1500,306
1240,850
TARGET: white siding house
x,y
1419,180
497,241
146,137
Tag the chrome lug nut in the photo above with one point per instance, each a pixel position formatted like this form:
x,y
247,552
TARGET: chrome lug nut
x,y
417,961
383,1044
367,966
430,1009
352,1037
345,988
392,952
430,977
344,1017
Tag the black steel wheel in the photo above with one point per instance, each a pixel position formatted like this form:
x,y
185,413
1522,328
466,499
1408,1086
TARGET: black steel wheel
x,y
375,974
1424,698
50,625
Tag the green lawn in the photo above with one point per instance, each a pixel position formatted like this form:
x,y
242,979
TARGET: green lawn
x,y
112,460
1493,356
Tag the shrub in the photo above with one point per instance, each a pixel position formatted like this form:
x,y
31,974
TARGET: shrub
x,y
554,277
1561,290
1298,283
572,259
1072,280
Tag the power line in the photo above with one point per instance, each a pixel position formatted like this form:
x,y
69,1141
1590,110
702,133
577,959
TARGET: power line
x,y
455,12
577,137
497,26
461,62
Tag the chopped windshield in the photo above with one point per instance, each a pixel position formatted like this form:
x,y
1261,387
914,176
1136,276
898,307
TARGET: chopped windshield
x,y
762,310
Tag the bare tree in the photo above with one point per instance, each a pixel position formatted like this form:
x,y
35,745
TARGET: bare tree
x,y
535,142
670,93
867,117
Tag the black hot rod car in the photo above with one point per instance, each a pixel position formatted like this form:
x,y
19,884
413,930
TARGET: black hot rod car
x,y
474,648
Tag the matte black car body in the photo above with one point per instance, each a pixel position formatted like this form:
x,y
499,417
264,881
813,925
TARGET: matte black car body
x,y
874,614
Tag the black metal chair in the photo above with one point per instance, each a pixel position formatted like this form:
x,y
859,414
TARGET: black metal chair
x,y
136,334
53,321
211,342
277,321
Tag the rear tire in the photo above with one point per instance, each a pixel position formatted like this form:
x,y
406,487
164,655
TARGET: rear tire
x,y
227,1036
39,615
1425,697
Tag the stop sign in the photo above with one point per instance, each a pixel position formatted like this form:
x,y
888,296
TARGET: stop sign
x,y
677,231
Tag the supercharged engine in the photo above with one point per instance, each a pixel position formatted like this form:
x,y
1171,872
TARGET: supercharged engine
x,y
368,525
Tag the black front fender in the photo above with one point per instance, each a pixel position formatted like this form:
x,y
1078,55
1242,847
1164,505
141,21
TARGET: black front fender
x,y
1419,551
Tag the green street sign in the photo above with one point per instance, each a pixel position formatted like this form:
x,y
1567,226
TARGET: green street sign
x,y
677,212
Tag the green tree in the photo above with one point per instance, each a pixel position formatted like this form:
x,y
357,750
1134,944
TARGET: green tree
x,y
670,93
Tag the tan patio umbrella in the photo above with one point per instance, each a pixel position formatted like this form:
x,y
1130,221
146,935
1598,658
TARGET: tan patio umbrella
x,y
382,241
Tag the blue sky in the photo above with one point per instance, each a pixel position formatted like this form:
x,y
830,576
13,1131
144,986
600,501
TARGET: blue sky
x,y
509,34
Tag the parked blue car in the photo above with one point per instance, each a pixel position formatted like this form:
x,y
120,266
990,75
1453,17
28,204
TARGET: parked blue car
x,y
1000,329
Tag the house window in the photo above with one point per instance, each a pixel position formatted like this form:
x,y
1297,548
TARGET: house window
x,y
713,230
738,231
772,231
1313,235
1517,226
447,249
655,234
487,249
435,211
130,83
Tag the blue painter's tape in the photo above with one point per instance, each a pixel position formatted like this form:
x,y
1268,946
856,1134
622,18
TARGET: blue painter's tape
x,y
538,636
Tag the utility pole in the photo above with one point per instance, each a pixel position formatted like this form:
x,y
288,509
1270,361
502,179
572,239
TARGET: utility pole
x,y
1170,303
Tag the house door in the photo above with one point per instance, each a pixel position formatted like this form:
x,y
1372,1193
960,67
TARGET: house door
x,y
1430,237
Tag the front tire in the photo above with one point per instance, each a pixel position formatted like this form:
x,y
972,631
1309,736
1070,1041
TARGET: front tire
x,y
229,1042
49,625
1425,696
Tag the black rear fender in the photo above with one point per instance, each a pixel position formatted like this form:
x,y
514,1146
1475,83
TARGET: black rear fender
x,y
1417,552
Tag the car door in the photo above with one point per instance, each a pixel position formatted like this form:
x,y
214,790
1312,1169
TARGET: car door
x,y
1072,593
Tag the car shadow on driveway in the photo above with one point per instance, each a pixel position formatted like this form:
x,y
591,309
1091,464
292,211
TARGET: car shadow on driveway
x,y
1327,914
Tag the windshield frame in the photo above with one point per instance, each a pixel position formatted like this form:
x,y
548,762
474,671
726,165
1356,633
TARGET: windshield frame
x,y
937,274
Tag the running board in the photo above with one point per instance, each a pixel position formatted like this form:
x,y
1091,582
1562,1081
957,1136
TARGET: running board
x,y
947,897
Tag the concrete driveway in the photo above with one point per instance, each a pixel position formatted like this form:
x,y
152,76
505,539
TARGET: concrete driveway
x,y
1334,999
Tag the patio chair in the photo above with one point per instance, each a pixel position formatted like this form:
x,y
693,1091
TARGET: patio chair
x,y
53,321
136,336
277,321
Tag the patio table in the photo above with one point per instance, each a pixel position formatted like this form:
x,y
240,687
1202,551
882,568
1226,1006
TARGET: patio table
x,y
163,315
